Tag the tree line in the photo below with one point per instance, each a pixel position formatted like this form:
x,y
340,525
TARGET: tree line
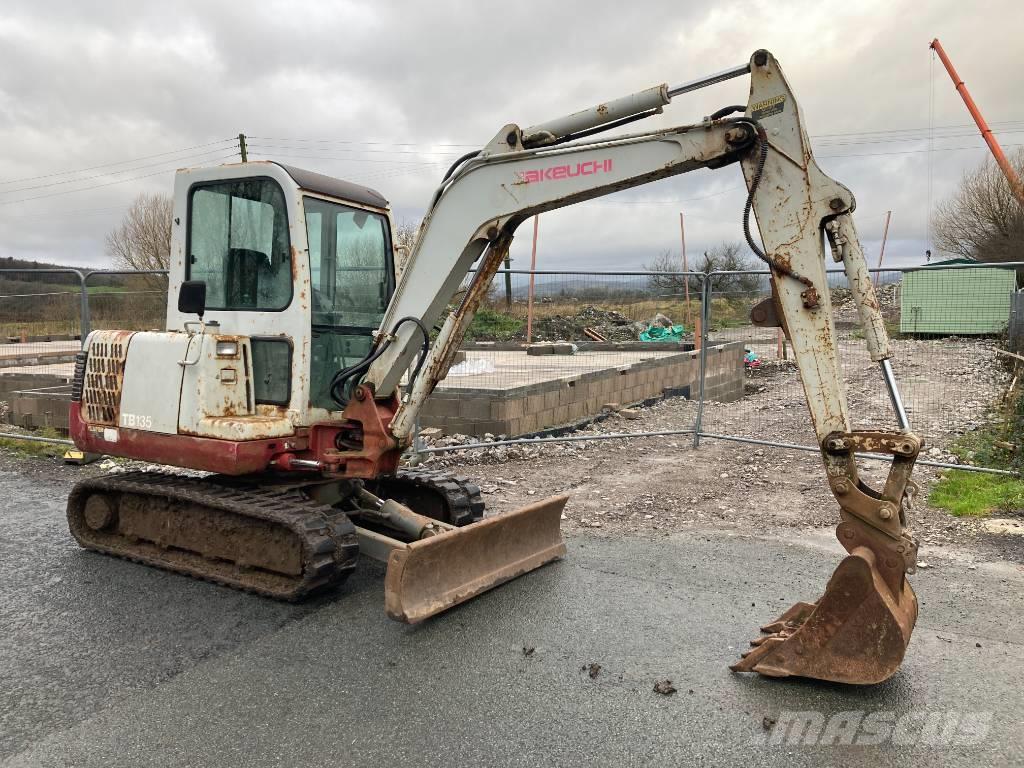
x,y
982,220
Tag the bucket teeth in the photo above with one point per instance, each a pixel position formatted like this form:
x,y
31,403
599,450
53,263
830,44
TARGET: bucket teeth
x,y
791,619
763,647
856,633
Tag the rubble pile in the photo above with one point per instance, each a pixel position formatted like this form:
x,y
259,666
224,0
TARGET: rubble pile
x,y
497,454
844,308
612,325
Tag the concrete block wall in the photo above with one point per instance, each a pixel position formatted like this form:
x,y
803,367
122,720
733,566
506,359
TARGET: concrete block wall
x,y
535,407
517,411
36,358
47,406
40,411
724,375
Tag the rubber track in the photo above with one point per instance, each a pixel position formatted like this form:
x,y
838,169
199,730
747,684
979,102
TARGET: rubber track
x,y
462,496
328,539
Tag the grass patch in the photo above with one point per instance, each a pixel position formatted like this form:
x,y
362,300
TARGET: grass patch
x,y
730,313
53,327
974,494
30,448
489,324
998,444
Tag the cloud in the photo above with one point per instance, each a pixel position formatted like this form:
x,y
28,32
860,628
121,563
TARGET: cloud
x,y
87,84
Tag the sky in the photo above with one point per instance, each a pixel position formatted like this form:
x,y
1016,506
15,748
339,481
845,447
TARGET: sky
x,y
101,101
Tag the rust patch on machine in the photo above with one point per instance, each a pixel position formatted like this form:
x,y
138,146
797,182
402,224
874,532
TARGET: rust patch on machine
x,y
294,265
494,256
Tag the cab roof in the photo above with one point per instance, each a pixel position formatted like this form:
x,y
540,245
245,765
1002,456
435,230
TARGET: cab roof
x,y
331,187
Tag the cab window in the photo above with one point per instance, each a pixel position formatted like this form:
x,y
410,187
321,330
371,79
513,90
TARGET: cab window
x,y
352,278
238,245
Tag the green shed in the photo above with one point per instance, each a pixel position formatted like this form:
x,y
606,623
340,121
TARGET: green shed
x,y
961,301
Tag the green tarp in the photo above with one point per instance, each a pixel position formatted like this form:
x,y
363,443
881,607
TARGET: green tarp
x,y
660,333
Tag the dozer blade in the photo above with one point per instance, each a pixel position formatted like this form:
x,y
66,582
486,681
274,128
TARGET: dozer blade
x,y
433,574
856,633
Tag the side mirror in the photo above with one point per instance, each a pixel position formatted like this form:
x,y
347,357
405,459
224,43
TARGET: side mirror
x,y
192,298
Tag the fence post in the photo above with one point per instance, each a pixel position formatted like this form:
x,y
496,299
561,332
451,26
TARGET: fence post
x,y
416,458
85,321
705,320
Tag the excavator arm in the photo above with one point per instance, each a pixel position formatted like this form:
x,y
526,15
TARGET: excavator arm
x,y
858,631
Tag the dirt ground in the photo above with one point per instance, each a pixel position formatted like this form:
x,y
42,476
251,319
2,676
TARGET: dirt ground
x,y
658,485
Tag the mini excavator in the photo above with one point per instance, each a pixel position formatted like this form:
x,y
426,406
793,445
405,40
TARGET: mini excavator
x,y
294,363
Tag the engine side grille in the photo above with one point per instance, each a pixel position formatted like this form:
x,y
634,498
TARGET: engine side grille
x,y
104,375
78,382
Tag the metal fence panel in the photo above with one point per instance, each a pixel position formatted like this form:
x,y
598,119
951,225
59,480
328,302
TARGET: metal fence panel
x,y
126,300
37,308
40,334
598,318
948,380
946,324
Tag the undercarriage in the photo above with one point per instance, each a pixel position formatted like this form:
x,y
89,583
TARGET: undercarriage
x,y
277,537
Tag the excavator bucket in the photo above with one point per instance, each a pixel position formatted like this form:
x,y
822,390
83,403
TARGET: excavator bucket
x,y
433,574
856,633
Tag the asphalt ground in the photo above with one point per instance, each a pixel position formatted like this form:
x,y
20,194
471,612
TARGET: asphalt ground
x,y
107,663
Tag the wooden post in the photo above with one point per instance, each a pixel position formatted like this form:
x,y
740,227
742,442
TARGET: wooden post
x,y
686,268
881,251
697,332
533,269
508,283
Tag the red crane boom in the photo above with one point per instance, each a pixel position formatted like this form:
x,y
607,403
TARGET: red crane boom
x,y
986,133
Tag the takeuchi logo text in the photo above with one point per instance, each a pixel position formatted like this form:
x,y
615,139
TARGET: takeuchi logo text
x,y
568,171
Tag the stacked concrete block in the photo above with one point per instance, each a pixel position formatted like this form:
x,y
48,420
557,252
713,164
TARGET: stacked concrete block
x,y
557,402
551,348
724,376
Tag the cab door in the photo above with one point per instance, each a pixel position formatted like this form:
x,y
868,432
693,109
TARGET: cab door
x,y
352,277
238,242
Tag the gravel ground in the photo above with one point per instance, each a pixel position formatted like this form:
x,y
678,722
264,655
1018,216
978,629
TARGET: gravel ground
x,y
657,485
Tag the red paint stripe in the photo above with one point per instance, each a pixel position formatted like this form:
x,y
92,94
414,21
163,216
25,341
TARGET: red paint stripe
x,y
228,457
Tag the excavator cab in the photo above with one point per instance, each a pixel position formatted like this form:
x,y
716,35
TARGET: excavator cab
x,y
248,238
298,271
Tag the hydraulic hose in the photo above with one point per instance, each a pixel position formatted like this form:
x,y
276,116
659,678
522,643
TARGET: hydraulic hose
x,y
725,111
344,376
762,144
